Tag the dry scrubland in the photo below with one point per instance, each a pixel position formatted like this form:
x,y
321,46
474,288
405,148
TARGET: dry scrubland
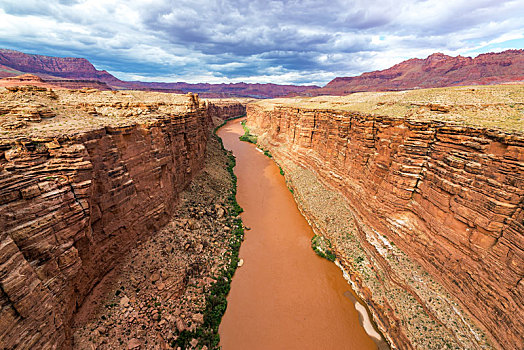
x,y
498,107
34,112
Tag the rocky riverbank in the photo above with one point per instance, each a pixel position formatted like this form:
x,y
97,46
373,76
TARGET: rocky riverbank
x,y
158,296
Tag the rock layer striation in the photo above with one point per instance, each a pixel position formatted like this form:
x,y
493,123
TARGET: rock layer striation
x,y
77,190
427,204
227,108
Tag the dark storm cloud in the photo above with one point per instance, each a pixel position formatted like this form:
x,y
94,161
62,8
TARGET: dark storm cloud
x,y
267,41
253,27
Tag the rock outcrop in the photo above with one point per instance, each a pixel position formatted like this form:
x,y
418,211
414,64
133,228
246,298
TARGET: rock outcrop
x,y
161,289
437,70
34,80
77,190
227,108
425,203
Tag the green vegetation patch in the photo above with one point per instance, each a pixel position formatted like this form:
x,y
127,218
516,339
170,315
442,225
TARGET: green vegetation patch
x,y
322,246
247,137
266,152
216,299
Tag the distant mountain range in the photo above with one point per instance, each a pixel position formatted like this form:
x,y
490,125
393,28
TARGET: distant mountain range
x,y
79,71
437,70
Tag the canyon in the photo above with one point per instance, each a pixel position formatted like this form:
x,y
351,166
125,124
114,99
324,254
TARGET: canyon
x,y
283,296
224,109
84,176
420,193
254,175
119,225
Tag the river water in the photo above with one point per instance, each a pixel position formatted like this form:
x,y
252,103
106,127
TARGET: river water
x,y
284,296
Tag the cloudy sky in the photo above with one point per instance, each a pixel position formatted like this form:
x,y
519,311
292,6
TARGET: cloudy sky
x,y
299,42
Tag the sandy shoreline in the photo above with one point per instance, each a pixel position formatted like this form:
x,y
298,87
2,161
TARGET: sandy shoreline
x,y
364,317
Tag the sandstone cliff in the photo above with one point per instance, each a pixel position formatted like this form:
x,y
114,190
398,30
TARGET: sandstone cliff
x,y
66,67
437,70
83,175
425,214
227,108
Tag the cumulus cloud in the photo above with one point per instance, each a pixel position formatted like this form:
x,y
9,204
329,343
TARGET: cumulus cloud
x,y
288,41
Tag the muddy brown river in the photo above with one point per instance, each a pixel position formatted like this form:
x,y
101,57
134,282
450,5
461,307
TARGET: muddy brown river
x,y
284,296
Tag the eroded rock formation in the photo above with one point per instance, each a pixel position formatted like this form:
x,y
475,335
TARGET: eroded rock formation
x,y
227,108
437,70
77,189
414,203
34,80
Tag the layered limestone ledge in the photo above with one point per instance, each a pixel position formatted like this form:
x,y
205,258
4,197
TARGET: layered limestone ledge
x,y
83,176
424,214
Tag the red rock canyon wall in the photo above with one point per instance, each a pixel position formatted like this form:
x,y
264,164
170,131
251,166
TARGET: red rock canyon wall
x,y
226,110
69,207
451,198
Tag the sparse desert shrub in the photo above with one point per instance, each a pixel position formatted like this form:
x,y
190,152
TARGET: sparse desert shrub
x,y
322,247
247,137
